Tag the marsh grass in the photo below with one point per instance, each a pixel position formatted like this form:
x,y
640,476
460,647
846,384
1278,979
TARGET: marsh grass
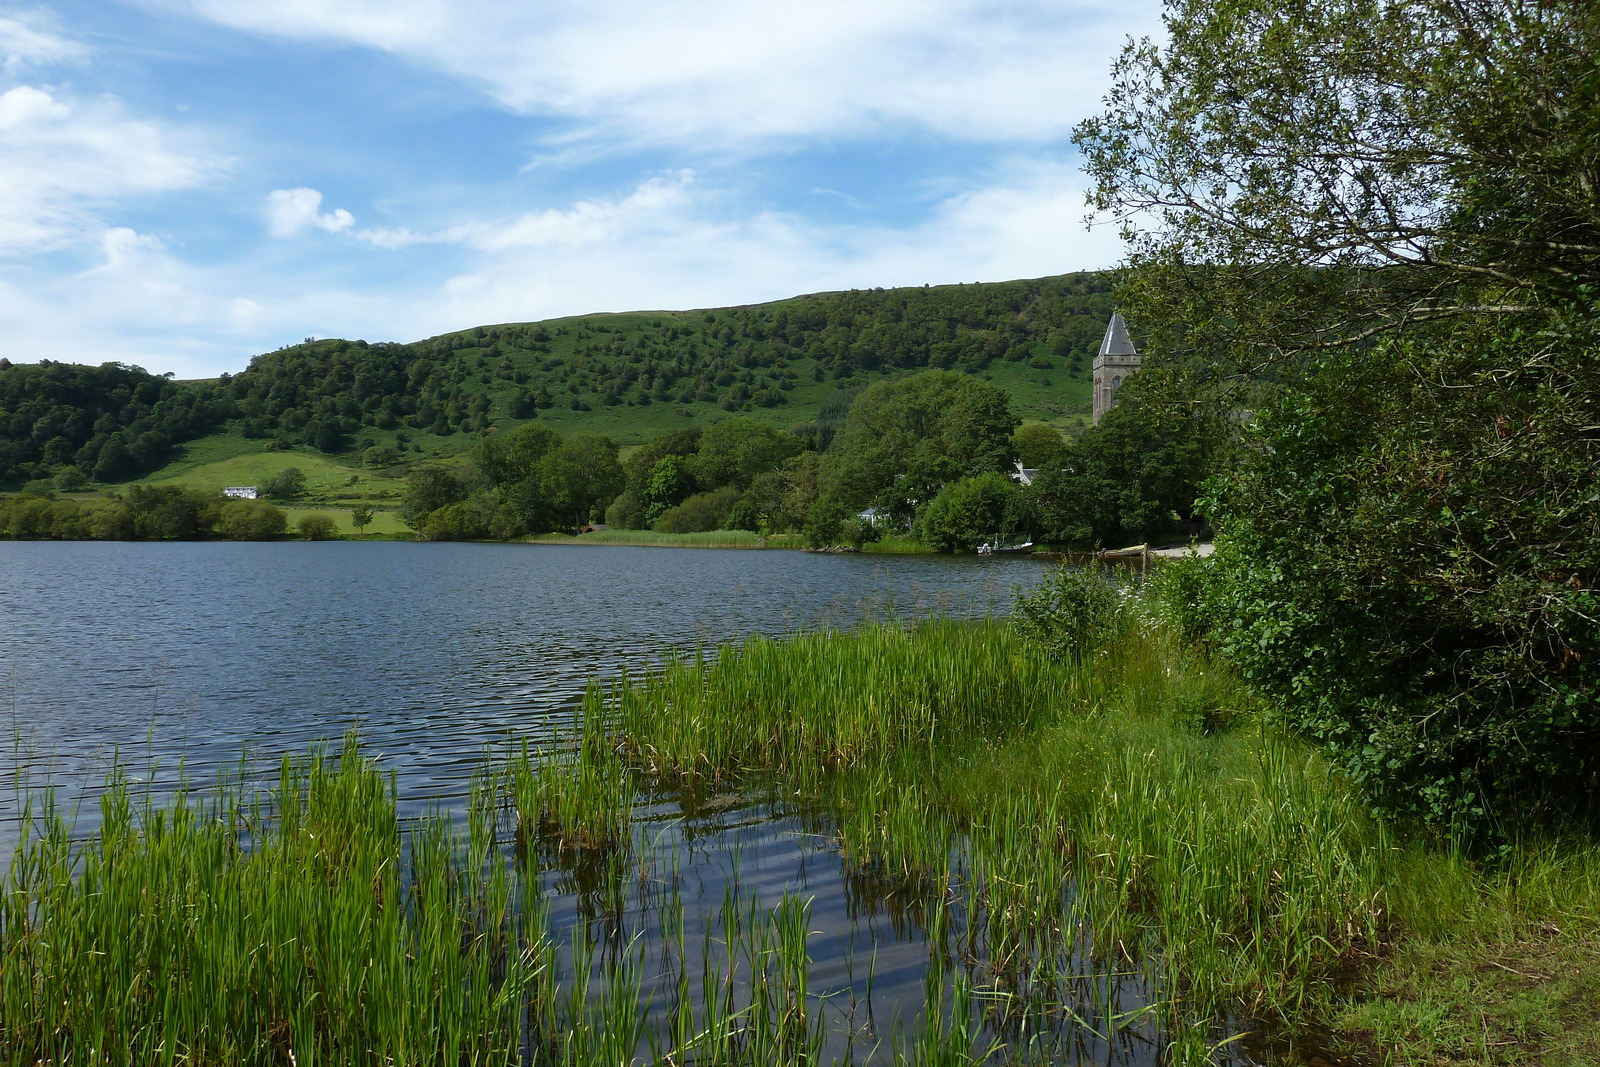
x,y
1109,844
252,929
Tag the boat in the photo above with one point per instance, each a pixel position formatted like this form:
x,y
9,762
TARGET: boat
x,y
989,549
1131,552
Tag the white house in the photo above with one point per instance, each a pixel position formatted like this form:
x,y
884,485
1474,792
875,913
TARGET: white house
x,y
241,492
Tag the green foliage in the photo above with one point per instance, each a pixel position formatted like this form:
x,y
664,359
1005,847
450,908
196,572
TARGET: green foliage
x,y
1414,586
582,475
429,488
1177,590
154,513
360,517
783,498
743,516
734,451
1132,478
1036,443
1388,251
1072,614
824,523
967,512
109,422
250,520
905,439
703,511
316,528
287,484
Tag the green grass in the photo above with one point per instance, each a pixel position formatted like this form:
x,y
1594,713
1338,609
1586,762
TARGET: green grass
x,y
326,479
384,523
1120,815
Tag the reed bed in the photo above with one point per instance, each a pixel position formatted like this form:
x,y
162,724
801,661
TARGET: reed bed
x,y
1098,803
1106,844
292,927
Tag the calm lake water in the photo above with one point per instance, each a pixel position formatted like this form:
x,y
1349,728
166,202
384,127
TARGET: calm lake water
x,y
199,652
180,659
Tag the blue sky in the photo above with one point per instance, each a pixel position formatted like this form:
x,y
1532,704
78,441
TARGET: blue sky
x,y
185,183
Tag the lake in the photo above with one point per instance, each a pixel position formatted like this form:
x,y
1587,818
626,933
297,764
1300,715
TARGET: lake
x,y
181,659
198,652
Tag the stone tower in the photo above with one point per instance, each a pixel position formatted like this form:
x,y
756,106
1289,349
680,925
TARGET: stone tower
x,y
1116,362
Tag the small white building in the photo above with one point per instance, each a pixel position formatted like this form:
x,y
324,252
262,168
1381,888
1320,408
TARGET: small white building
x,y
241,492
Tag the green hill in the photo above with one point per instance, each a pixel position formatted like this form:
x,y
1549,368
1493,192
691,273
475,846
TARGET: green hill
x,y
630,376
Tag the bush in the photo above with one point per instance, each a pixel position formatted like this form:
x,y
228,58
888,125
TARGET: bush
x,y
1176,589
317,528
701,512
1412,586
824,522
250,520
1071,615
743,516
967,512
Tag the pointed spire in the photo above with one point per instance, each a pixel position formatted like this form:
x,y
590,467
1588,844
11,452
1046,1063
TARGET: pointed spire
x,y
1116,341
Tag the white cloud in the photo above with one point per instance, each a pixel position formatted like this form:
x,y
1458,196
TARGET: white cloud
x,y
291,212
24,42
65,161
726,73
675,243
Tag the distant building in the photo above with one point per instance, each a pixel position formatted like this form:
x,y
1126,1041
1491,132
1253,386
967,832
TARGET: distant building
x,y
241,492
1116,362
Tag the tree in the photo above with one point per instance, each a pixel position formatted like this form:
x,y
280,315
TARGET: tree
x,y
580,474
1377,224
1036,443
1132,478
1296,177
513,456
670,483
360,517
287,484
733,451
967,512
429,488
905,438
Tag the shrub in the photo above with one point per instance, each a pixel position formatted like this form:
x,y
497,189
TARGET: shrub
x,y
1073,612
703,511
316,528
1176,589
967,512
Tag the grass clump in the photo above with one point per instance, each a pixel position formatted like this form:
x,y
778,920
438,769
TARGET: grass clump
x,y
296,927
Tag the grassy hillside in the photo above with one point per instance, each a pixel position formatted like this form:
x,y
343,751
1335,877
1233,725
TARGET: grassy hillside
x,y
355,415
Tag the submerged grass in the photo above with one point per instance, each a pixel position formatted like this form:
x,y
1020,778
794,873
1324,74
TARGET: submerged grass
x,y
1086,796
1058,830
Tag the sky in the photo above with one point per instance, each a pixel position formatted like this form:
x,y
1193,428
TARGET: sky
x,y
186,183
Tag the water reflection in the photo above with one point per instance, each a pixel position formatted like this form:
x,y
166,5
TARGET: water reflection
x,y
180,657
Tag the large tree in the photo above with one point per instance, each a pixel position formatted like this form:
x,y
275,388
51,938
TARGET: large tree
x,y
906,438
1376,225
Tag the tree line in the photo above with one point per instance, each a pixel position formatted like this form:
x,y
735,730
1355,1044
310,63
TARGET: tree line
x,y
932,455
69,425
151,513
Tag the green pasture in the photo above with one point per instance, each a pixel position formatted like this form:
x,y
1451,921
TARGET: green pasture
x,y
383,524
